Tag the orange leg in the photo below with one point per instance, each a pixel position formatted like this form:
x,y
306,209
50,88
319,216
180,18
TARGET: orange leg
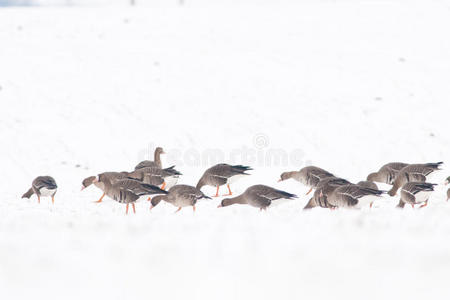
x,y
309,191
412,205
371,204
134,207
163,185
149,199
217,192
39,199
126,212
179,208
101,198
229,191
425,204
53,199
193,208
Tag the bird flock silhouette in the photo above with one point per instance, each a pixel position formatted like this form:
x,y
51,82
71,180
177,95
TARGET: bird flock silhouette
x,y
158,184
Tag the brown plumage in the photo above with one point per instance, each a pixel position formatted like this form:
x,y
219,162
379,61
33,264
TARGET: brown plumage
x,y
155,176
368,184
42,186
127,190
260,196
324,188
222,174
113,177
415,192
156,163
387,173
415,172
309,176
180,196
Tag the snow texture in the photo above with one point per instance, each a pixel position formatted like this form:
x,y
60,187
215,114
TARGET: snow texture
x,y
344,85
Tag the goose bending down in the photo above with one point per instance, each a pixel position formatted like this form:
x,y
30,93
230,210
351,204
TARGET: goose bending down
x,y
260,196
221,174
353,195
415,172
155,176
156,163
113,177
127,190
180,196
42,186
309,176
415,192
387,173
324,188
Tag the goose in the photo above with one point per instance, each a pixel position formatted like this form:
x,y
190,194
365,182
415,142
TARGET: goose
x,y
156,163
325,187
221,174
260,196
309,176
415,192
352,195
155,176
42,186
127,190
180,196
415,172
387,173
112,177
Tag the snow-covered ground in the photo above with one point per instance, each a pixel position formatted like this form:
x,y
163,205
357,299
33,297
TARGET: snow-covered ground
x,y
345,85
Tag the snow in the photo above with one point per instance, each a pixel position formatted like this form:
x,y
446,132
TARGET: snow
x,y
344,85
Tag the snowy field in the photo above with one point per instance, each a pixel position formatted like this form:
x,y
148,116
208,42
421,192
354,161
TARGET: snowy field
x,y
344,85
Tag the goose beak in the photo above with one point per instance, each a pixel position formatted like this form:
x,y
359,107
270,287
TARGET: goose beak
x,y
220,205
279,180
82,188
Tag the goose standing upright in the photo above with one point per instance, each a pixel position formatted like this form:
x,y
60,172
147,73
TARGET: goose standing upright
x,y
387,173
415,193
415,172
156,163
221,174
180,196
260,196
42,186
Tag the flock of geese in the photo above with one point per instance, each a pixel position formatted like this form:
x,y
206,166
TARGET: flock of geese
x,y
150,179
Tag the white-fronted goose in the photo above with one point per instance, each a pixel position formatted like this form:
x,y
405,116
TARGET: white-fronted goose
x,y
42,186
415,172
221,174
325,187
127,190
113,177
155,176
260,196
180,196
309,176
353,195
415,193
156,163
387,173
